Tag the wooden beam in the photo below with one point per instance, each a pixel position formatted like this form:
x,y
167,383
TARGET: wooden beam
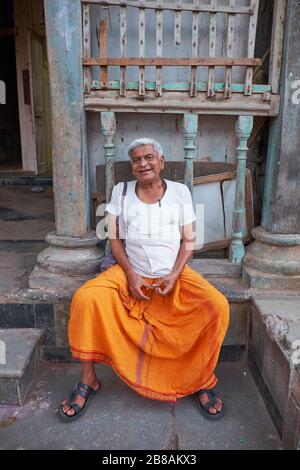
x,y
195,32
87,76
183,86
159,50
142,30
277,44
212,51
251,45
103,52
168,62
179,103
177,25
230,43
213,178
173,6
123,42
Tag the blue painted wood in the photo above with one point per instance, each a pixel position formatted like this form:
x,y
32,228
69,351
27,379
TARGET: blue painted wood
x,y
271,172
108,129
190,128
180,86
281,210
244,127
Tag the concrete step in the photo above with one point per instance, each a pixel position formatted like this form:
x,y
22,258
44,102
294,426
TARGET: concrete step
x,y
19,357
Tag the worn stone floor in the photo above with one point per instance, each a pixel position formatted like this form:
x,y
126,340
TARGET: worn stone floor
x,y
118,418
26,217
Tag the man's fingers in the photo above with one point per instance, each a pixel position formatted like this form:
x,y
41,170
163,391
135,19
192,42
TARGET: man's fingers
x,y
163,291
142,296
147,285
158,283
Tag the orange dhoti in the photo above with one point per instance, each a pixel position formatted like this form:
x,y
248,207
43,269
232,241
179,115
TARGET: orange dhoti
x,y
163,348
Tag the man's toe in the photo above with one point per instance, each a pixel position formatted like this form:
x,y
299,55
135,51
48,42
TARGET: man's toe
x,y
67,409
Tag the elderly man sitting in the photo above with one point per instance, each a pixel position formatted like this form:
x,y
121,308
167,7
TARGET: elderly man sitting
x,y
158,323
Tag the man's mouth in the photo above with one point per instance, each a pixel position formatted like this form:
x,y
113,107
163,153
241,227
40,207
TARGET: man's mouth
x,y
145,171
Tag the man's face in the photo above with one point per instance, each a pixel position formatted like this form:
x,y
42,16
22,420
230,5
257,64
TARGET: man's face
x,y
146,164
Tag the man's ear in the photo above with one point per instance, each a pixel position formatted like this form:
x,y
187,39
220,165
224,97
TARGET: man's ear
x,y
162,161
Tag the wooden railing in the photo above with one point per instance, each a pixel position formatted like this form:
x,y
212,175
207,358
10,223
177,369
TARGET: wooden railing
x,y
194,62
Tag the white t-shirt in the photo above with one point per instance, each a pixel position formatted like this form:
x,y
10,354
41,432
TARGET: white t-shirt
x,y
152,231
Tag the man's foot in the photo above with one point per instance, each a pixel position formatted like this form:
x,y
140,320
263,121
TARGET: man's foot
x,y
84,391
211,405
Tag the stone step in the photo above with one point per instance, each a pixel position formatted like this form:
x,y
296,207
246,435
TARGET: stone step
x,y
19,357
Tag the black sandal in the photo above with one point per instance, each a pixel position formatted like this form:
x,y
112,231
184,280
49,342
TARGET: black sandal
x,y
204,408
84,391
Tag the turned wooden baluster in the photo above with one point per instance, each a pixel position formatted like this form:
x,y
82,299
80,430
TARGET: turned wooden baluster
x,y
212,51
87,74
159,50
190,129
230,42
108,129
244,127
251,46
123,38
177,25
141,50
195,32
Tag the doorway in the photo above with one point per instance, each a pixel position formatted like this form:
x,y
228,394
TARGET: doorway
x,y
25,128
10,145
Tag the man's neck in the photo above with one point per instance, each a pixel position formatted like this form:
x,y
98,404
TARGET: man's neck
x,y
150,186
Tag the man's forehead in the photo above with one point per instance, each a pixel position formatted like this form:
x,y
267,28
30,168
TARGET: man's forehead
x,y
144,150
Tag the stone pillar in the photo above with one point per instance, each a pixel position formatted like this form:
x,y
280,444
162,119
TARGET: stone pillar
x,y
273,259
73,254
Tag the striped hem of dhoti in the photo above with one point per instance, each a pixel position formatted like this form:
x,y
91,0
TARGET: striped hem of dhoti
x,y
101,358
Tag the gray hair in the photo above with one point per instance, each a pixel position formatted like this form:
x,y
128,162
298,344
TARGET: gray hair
x,y
145,141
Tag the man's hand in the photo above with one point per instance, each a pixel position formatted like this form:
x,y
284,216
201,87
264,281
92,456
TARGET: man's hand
x,y
135,283
166,284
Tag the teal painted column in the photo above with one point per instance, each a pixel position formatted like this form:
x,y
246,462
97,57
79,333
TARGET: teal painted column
x,y
190,129
108,129
244,127
73,254
281,210
273,260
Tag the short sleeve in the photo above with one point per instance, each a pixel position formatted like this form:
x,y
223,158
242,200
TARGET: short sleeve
x,y
187,213
114,206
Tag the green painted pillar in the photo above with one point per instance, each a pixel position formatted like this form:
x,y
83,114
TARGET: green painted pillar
x,y
108,129
244,127
73,254
190,129
273,259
